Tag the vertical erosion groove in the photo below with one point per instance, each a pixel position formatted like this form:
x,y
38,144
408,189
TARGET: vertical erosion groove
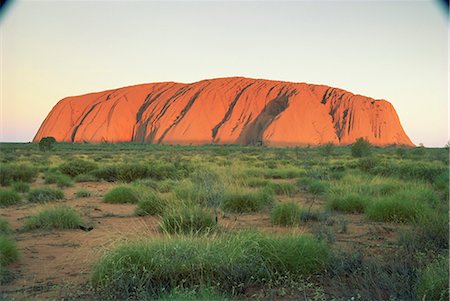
x,y
227,116
180,117
252,134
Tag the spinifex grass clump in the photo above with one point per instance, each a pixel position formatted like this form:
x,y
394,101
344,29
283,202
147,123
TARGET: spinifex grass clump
x,y
312,185
351,203
61,180
45,194
355,192
231,263
17,172
433,281
189,219
151,204
430,233
407,169
54,218
403,206
286,173
282,188
9,197
120,195
287,214
240,201
83,193
4,226
20,186
395,209
8,250
85,177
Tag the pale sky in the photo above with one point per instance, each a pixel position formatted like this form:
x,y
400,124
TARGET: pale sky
x,y
393,50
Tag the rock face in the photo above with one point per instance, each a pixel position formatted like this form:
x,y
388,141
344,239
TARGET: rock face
x,y
225,111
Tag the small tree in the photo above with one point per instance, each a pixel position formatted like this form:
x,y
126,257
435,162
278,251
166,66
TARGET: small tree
x,y
46,143
361,148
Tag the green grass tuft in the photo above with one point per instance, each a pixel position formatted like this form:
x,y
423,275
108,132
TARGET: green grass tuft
x,y
8,250
4,226
351,203
9,197
54,218
238,201
44,194
151,204
395,209
61,180
282,188
83,193
286,214
20,186
187,220
120,195
433,281
231,263
85,177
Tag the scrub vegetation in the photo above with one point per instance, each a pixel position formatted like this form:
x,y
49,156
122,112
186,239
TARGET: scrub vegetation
x,y
154,222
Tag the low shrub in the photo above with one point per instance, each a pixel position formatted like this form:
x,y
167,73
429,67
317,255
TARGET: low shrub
x,y
361,148
369,163
187,220
132,171
83,193
239,201
20,186
8,250
44,194
433,281
159,170
121,194
107,173
76,167
286,214
17,172
54,218
151,204
9,197
231,263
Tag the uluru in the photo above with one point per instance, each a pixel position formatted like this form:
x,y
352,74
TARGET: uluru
x,y
233,110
